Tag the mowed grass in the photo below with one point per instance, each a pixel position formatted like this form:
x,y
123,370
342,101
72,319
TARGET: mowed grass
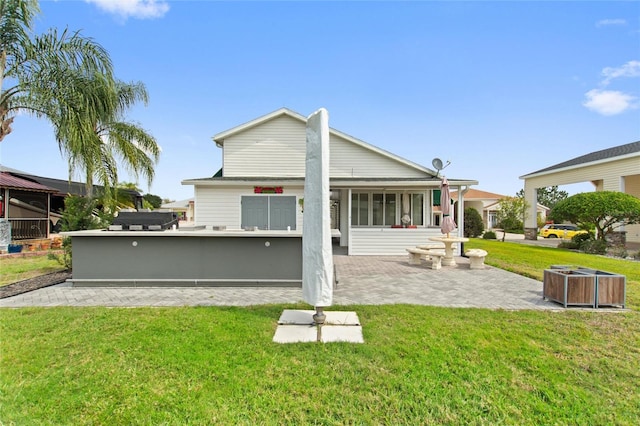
x,y
418,365
14,269
531,261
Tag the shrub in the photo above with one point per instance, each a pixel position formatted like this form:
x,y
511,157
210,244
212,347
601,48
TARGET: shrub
x,y
570,245
618,252
65,258
581,238
80,213
473,225
594,246
489,235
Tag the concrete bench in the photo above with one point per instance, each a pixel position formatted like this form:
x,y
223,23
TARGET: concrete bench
x,y
431,246
436,258
476,258
415,255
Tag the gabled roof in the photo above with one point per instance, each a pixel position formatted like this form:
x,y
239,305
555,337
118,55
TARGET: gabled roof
x,y
476,194
182,204
13,182
617,152
496,206
59,186
220,137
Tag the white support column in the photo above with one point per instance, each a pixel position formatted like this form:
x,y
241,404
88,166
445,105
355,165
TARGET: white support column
x,y
460,216
345,218
531,213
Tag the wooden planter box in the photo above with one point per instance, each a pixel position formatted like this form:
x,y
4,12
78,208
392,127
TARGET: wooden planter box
x,y
569,287
610,288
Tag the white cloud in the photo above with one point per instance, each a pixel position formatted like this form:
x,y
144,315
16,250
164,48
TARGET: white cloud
x,y
609,102
141,9
630,69
608,22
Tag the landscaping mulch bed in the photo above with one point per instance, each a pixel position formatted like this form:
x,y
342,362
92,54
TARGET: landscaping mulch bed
x,y
34,283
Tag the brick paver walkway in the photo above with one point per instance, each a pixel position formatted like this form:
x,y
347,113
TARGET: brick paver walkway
x,y
365,280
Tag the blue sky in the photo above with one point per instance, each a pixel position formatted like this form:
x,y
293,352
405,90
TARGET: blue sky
x,y
500,89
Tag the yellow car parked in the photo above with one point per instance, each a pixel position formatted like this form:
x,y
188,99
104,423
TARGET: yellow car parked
x,y
560,230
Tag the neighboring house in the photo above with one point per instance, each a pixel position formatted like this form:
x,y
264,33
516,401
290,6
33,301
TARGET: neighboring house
x,y
612,169
261,184
26,205
488,205
59,190
183,208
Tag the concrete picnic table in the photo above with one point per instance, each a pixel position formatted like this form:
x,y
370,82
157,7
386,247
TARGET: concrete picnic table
x,y
448,242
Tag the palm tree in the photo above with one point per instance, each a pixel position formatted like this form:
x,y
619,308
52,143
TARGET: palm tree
x,y
68,79
112,141
46,75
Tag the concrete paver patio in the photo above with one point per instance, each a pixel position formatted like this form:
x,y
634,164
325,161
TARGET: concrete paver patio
x,y
363,280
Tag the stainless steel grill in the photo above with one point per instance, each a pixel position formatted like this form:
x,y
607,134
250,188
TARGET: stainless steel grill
x,y
144,221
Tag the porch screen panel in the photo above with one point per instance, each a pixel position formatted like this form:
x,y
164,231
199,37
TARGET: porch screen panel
x,y
282,212
390,209
255,212
378,209
417,209
359,209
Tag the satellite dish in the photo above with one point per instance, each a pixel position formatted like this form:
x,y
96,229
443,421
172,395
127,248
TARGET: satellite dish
x,y
437,164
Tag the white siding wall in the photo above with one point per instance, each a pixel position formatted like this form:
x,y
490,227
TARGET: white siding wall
x,y
351,160
219,206
274,148
277,148
388,241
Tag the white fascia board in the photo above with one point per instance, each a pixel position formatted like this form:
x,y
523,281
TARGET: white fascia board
x,y
337,183
578,166
243,182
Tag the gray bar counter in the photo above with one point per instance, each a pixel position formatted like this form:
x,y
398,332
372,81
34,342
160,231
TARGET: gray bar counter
x,y
197,257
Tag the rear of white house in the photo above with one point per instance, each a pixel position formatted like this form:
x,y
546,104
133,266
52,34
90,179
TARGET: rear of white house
x,y
381,203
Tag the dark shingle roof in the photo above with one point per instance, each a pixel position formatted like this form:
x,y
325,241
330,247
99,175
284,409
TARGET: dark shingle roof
x,y
616,151
9,181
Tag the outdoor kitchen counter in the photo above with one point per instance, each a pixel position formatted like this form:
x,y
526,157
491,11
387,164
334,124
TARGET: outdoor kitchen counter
x,y
186,257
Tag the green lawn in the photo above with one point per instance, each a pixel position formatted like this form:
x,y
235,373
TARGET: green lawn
x,y
418,365
13,269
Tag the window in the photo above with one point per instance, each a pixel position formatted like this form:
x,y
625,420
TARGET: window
x,y
390,210
377,209
417,209
383,209
360,209
269,212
